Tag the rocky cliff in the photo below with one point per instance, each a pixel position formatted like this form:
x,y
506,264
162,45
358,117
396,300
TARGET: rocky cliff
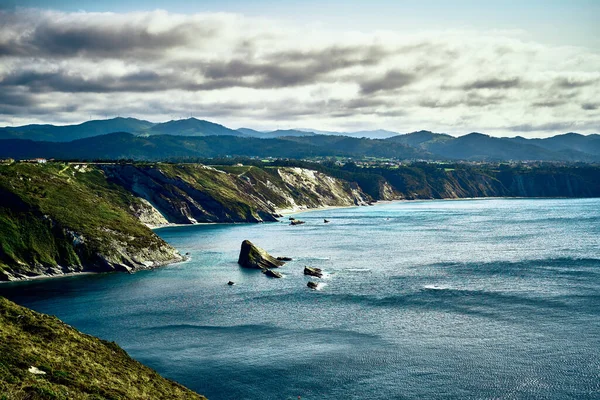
x,y
59,218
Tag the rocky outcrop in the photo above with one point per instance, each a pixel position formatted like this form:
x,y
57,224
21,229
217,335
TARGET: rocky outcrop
x,y
312,285
313,272
252,256
272,274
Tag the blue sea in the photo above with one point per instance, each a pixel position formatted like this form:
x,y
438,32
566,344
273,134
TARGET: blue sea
x,y
465,299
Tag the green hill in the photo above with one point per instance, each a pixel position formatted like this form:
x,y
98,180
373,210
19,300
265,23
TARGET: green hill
x,y
41,357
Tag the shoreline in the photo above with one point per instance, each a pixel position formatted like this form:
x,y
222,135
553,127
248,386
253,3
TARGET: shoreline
x,y
184,258
283,213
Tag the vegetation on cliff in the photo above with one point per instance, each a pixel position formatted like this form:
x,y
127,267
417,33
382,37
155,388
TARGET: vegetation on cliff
x,y
57,218
43,358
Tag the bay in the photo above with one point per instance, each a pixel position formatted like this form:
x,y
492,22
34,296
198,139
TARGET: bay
x,y
490,298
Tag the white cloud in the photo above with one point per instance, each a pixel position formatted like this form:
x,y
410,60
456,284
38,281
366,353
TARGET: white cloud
x,y
241,71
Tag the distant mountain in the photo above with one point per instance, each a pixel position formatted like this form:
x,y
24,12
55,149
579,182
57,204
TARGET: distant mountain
x,y
191,127
479,147
67,133
421,139
274,134
374,143
124,145
569,141
374,134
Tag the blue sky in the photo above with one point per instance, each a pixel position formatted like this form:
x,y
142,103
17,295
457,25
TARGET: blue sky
x,y
572,22
529,68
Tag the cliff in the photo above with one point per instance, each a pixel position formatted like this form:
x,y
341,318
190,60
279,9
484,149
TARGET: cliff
x,y
58,218
43,358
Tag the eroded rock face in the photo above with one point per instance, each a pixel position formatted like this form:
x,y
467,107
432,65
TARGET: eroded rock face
x,y
252,256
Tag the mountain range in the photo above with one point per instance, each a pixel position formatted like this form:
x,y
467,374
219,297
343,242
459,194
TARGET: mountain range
x,y
194,138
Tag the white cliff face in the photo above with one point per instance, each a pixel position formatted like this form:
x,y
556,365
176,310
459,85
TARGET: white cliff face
x,y
314,189
148,214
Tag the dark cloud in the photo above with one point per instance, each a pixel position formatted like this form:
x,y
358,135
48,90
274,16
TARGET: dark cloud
x,y
392,80
42,82
38,35
493,83
590,106
571,83
289,68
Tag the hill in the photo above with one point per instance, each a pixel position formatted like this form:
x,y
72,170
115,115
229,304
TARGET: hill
x,y
43,358
188,127
479,147
122,145
67,133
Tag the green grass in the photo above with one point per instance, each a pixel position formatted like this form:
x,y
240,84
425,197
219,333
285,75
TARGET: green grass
x,y
40,205
77,366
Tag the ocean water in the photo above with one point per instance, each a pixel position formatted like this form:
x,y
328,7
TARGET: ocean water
x,y
481,299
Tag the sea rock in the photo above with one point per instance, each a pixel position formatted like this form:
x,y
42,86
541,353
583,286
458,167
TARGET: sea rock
x,y
284,258
271,273
325,221
297,222
231,283
292,218
313,272
312,285
252,256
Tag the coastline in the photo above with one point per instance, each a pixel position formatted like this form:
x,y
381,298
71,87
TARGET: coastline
x,y
282,212
155,265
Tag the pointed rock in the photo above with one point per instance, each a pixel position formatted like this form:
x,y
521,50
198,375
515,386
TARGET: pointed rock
x,y
252,256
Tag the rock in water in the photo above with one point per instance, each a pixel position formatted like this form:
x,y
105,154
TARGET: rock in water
x,y
296,222
284,258
313,272
312,285
231,283
326,221
271,273
252,256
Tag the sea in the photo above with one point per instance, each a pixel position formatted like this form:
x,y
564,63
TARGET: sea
x,y
449,299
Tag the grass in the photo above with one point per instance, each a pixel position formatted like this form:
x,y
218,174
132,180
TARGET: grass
x,y
43,207
76,365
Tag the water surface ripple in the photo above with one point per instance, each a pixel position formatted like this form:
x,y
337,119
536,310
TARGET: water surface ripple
x,y
481,299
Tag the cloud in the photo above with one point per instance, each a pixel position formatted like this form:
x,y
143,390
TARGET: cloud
x,y
237,70
493,83
392,80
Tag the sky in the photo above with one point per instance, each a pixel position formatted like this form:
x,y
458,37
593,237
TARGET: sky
x,y
505,68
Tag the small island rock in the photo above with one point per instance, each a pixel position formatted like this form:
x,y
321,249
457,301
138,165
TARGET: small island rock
x,y
296,222
313,272
231,283
252,256
284,258
312,285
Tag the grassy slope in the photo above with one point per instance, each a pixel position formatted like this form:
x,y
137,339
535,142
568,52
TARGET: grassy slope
x,y
39,203
77,366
